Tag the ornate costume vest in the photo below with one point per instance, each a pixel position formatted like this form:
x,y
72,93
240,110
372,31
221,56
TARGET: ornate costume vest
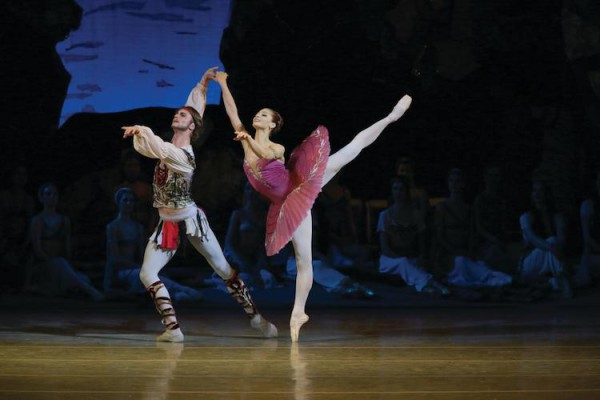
x,y
172,189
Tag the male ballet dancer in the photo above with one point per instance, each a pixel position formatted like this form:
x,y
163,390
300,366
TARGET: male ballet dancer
x,y
172,197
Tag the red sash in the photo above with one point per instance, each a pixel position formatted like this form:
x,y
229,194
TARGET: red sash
x,y
170,235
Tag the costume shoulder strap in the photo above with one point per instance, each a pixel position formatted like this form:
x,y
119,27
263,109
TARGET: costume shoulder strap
x,y
190,157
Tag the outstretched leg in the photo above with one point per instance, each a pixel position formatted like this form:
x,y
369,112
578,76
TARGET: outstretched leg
x,y
302,241
364,138
211,250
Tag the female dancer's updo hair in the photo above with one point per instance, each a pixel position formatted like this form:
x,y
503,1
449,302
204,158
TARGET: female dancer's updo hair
x,y
277,119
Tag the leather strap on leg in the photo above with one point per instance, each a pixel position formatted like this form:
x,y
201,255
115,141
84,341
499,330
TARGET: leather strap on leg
x,y
238,290
163,305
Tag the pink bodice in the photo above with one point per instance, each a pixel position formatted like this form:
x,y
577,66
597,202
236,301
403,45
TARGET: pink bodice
x,y
291,189
271,179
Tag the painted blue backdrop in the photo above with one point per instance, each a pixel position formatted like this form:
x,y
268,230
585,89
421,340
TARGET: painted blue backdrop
x,y
133,54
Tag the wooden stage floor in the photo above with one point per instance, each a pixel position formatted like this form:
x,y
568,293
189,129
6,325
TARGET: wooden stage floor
x,y
534,351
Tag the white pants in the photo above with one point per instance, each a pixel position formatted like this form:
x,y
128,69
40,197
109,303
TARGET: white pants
x,y
200,236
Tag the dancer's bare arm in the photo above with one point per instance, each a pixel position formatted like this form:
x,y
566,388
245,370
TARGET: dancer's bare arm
x,y
271,151
230,107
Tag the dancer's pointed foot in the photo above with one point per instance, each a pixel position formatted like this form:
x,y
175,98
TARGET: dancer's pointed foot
x,y
171,335
295,325
400,108
268,329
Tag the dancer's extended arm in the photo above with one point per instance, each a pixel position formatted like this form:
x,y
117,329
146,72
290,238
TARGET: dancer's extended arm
x,y
197,97
271,151
230,107
148,144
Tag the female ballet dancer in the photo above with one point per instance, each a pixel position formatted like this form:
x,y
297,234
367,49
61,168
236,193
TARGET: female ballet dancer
x,y
292,189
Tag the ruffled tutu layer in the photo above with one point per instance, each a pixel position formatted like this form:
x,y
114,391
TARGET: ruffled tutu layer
x,y
306,166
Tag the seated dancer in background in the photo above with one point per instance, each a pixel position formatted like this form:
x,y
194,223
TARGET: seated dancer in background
x,y
125,241
453,241
50,232
544,235
172,197
292,189
338,223
401,229
490,214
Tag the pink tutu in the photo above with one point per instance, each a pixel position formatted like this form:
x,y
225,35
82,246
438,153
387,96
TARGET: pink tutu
x,y
292,190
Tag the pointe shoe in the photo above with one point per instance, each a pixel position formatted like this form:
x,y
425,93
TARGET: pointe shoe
x,y
268,329
400,108
295,325
171,335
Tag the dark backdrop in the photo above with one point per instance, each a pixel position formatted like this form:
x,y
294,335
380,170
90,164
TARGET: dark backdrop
x,y
497,81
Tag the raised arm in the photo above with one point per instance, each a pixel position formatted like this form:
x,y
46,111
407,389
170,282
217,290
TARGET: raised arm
x,y
230,107
197,97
